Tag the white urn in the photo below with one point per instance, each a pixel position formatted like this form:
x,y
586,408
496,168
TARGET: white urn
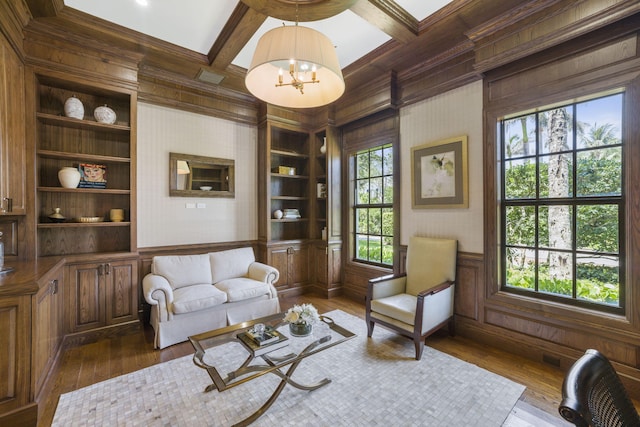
x,y
69,177
73,108
104,114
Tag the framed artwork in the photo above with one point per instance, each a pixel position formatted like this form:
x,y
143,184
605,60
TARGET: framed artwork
x,y
439,174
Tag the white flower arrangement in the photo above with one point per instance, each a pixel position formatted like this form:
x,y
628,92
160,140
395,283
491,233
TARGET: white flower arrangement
x,y
304,314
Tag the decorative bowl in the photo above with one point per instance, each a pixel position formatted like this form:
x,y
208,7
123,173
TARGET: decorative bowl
x,y
104,114
206,188
89,219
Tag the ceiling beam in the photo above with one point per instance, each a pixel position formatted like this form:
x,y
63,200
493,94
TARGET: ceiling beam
x,y
309,10
388,17
238,30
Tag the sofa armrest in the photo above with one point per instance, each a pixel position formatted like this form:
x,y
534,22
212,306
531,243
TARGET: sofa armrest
x,y
263,273
157,291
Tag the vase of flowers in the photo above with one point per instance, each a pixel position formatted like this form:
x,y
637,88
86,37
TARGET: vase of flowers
x,y
301,319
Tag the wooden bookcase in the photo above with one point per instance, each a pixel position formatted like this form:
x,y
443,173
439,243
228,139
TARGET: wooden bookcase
x,y
64,141
298,175
289,178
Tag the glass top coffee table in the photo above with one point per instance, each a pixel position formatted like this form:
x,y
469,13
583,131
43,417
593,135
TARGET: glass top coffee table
x,y
248,362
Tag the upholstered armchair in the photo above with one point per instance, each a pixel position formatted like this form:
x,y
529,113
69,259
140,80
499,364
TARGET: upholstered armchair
x,y
420,301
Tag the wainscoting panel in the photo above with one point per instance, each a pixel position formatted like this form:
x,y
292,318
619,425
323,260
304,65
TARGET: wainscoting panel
x,y
468,285
572,337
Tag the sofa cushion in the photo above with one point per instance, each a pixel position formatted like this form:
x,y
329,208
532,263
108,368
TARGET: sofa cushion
x,y
230,263
183,270
242,288
197,297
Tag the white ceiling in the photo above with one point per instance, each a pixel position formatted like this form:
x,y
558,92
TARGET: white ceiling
x,y
195,24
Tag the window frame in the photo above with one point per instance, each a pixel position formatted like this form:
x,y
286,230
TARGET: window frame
x,y
573,201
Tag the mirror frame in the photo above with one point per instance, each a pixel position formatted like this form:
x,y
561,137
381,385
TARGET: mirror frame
x,y
174,191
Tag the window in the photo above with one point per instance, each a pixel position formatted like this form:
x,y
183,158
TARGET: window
x,y
562,207
373,205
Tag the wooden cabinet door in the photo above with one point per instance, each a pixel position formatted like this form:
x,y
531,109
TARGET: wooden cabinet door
x,y
12,132
15,352
298,270
86,298
122,292
278,258
292,261
47,329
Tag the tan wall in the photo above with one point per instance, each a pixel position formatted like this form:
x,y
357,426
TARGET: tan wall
x,y
164,220
451,114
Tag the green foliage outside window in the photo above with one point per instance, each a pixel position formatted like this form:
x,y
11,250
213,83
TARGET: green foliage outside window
x,y
562,183
373,208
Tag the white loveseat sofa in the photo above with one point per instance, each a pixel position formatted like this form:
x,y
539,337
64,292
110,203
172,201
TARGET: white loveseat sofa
x,y
191,294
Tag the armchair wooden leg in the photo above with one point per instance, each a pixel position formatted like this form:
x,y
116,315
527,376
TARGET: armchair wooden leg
x,y
370,325
419,343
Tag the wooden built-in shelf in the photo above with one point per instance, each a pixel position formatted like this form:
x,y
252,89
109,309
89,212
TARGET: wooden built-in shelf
x,y
83,190
83,224
282,175
289,198
52,119
290,154
82,157
290,220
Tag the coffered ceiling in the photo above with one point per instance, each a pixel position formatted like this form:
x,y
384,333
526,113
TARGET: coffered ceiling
x,y
213,41
197,24
428,45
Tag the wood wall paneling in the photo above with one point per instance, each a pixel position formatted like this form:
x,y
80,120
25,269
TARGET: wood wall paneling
x,y
197,97
378,95
547,328
469,285
553,24
51,50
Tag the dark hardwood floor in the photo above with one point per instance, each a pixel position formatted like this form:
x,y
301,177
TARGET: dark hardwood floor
x,y
85,365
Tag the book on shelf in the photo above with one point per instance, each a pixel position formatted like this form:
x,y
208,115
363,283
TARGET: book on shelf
x,y
270,340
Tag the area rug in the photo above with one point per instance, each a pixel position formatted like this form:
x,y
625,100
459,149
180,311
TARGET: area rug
x,y
375,382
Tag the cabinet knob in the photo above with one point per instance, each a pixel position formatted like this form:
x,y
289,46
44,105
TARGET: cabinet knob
x,y
54,286
107,269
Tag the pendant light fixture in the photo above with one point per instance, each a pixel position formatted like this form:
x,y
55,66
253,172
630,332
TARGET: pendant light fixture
x,y
295,66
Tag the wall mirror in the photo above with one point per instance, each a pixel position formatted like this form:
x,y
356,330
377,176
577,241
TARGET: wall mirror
x,y
200,176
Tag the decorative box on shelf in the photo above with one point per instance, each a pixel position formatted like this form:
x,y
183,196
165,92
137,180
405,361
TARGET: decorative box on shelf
x,y
284,170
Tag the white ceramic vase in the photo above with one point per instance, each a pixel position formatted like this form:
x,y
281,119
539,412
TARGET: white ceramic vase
x,y
69,177
104,114
73,108
323,148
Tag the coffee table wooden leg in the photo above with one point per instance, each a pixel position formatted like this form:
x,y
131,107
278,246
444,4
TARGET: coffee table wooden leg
x,y
286,379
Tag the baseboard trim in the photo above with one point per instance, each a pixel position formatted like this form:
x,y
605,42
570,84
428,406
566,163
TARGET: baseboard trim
x,y
81,338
